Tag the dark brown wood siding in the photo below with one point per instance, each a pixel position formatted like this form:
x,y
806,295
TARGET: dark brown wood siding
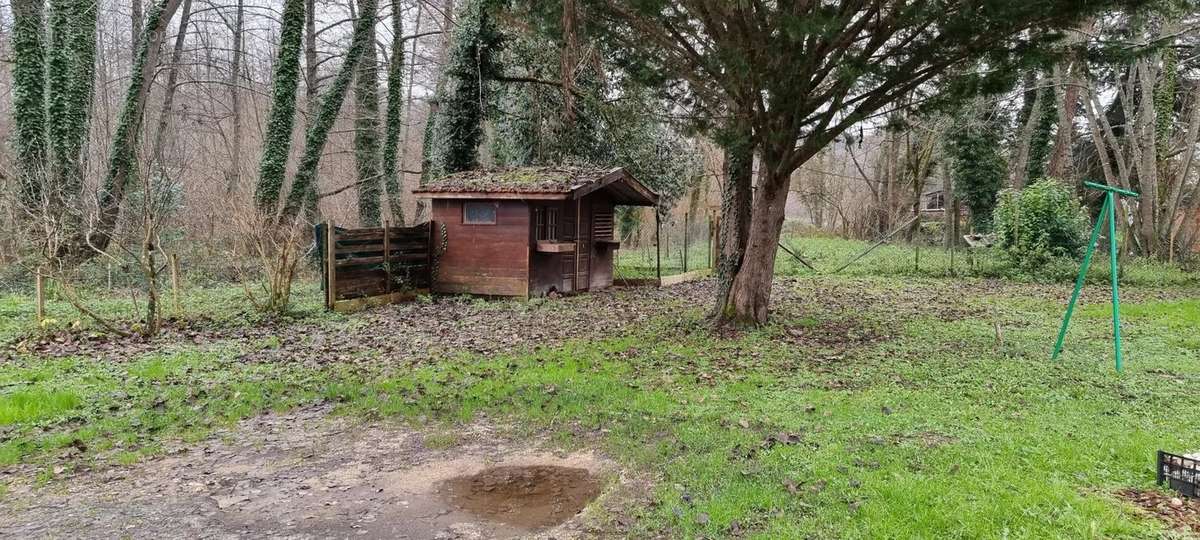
x,y
483,259
603,226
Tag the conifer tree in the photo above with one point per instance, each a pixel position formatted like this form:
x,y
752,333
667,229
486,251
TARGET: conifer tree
x,y
453,139
977,167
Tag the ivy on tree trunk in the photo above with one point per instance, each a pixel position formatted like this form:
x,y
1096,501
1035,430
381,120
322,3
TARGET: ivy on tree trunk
x,y
29,112
278,138
452,141
70,79
303,191
366,137
738,146
391,142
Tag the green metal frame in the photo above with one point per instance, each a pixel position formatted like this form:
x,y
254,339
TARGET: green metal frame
x,y
1108,213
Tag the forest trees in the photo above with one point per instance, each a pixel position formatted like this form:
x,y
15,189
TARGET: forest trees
x,y
54,76
1144,122
813,70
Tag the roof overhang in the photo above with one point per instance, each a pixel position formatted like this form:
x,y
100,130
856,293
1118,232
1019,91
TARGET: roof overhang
x,y
623,188
491,195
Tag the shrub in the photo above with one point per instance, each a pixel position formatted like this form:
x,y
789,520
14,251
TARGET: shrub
x,y
1039,224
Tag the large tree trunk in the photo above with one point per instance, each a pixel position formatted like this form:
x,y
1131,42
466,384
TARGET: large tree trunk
x,y
1026,122
28,100
736,193
750,294
366,136
1061,164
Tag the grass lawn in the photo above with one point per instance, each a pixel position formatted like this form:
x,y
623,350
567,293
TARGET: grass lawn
x,y
877,406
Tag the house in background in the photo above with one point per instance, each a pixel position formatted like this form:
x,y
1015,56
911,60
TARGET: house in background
x,y
528,231
933,200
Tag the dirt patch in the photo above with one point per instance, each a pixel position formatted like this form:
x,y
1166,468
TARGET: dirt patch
x,y
307,475
1178,512
530,496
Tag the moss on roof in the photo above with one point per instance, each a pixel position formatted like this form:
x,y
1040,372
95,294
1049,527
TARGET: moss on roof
x,y
552,179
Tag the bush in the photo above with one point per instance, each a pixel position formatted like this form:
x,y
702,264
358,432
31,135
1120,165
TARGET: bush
x,y
1041,223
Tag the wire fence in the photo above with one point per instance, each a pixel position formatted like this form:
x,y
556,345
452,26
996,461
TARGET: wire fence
x,y
684,244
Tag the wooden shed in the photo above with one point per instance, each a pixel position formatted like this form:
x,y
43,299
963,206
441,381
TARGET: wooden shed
x,y
528,231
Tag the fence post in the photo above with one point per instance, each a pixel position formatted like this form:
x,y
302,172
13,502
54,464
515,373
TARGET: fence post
x,y
429,254
173,259
330,247
714,232
657,247
685,242
40,285
387,257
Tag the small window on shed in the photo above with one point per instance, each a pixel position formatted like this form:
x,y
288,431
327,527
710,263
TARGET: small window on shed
x,y
479,213
546,223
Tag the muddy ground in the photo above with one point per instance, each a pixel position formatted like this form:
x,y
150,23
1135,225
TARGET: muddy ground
x,y
310,475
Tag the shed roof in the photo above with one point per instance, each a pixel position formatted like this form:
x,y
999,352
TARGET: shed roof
x,y
551,182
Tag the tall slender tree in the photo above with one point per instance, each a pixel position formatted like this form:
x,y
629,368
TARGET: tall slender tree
x,y
278,139
29,99
303,190
392,119
367,155
123,161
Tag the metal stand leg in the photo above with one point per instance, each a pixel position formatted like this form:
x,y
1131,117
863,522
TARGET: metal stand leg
x,y
1087,262
1112,251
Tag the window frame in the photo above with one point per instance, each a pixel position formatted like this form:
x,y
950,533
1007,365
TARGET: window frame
x,y
495,213
545,223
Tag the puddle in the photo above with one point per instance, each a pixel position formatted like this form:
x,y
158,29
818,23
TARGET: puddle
x,y
304,475
531,496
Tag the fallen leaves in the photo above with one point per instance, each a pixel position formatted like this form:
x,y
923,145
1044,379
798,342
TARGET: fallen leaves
x,y
1178,512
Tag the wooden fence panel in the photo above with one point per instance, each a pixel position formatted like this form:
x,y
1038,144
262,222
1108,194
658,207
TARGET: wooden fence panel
x,y
372,266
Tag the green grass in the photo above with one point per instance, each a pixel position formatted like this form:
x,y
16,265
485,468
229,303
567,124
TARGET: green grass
x,y
905,260
32,406
936,430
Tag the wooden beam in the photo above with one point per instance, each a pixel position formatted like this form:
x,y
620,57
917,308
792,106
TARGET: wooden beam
x,y
330,267
387,257
357,304
575,274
